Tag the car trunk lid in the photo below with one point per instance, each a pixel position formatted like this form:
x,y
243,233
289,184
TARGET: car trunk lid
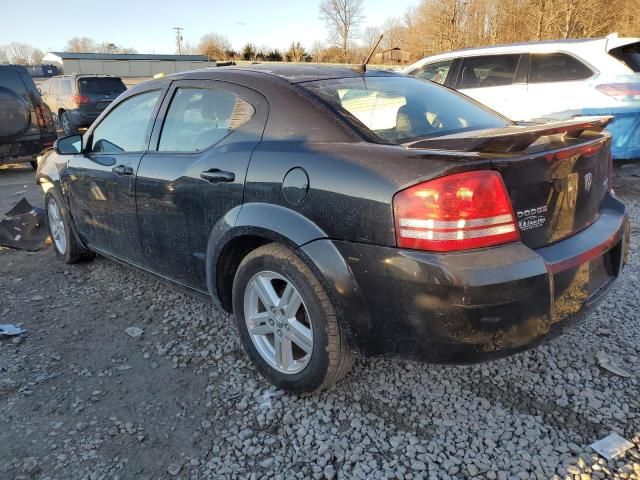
x,y
556,173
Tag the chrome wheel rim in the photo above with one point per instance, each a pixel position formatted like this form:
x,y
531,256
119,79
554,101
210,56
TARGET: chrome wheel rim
x,y
56,225
278,322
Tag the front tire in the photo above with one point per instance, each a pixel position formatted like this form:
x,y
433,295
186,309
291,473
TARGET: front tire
x,y
64,241
287,323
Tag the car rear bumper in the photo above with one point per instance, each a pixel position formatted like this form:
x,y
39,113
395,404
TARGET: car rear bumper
x,y
477,305
25,150
82,119
625,130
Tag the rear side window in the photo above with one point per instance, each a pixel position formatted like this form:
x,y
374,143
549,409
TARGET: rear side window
x,y
65,87
556,67
199,118
124,129
401,109
435,72
101,86
488,71
629,55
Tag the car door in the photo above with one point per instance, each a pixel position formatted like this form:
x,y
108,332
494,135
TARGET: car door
x,y
557,85
194,173
496,81
102,180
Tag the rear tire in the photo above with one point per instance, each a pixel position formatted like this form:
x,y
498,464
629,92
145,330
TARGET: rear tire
x,y
67,125
63,238
300,320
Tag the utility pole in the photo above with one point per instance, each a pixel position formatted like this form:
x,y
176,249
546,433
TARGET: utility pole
x,y
179,38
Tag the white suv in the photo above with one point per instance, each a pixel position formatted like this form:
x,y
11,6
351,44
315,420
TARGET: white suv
x,y
556,79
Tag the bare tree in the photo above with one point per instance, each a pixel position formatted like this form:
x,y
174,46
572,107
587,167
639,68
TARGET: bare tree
x,y
343,18
20,53
214,46
36,56
81,45
370,37
295,53
4,56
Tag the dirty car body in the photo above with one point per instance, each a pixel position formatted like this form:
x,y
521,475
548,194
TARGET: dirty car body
x,y
337,166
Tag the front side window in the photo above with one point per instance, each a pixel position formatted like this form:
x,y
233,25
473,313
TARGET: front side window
x,y
488,71
556,67
401,109
199,118
436,72
124,129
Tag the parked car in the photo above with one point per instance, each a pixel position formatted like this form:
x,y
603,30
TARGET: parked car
x,y
77,100
336,212
26,125
558,79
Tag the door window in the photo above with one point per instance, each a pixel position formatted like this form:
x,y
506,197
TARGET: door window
x,y
124,129
556,67
199,118
435,72
66,87
488,71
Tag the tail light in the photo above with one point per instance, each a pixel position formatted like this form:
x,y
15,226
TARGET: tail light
x,y
80,99
620,90
458,212
42,121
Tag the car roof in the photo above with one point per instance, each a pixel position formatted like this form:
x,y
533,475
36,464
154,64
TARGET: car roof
x,y
576,45
18,68
292,73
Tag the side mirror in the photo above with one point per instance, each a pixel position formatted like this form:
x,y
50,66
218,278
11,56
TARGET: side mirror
x,y
71,145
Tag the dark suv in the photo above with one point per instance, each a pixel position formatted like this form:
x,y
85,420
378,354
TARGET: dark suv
x,y
77,100
26,124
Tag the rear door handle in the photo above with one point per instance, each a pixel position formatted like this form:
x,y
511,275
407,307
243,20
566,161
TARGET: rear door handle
x,y
214,175
122,170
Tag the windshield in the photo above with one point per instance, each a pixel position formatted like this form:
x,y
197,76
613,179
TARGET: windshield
x,y
101,86
402,109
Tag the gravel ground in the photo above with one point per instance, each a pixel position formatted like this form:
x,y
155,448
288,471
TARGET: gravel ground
x,y
81,399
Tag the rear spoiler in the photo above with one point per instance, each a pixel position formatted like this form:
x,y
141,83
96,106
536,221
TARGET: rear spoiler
x,y
514,138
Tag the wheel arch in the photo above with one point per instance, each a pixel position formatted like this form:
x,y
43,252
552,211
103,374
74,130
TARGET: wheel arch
x,y
244,229
253,225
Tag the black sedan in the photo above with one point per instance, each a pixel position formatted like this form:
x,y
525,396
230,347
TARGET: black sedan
x,y
338,212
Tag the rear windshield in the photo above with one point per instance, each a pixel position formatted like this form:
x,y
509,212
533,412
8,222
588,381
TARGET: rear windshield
x,y
629,55
10,79
104,86
403,109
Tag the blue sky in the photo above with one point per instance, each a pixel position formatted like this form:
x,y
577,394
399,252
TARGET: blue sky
x,y
147,26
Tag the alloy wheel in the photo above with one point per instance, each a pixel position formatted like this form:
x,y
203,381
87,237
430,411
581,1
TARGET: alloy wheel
x,y
56,225
278,322
66,124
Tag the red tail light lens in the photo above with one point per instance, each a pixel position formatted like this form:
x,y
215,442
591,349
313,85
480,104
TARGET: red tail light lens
x,y
620,89
80,99
42,121
458,212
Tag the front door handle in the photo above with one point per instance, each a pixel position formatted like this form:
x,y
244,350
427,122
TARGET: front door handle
x,y
214,175
122,170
